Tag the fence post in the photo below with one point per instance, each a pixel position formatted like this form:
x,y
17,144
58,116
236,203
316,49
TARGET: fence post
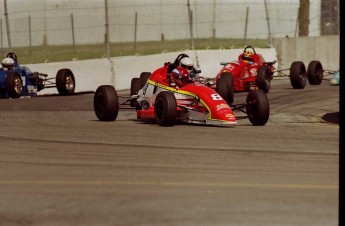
x,y
1,41
214,20
107,29
268,25
7,27
135,29
161,20
30,37
246,27
73,37
45,36
190,16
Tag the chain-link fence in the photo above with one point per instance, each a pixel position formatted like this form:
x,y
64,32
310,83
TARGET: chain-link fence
x,y
76,22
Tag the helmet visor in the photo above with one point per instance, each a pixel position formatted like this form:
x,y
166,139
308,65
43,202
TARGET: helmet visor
x,y
188,67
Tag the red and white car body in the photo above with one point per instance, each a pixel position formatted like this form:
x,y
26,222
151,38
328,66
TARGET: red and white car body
x,y
157,98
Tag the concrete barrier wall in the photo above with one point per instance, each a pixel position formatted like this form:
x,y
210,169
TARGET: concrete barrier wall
x,y
118,71
325,49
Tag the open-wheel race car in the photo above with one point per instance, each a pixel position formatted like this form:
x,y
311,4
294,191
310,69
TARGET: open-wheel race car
x,y
17,81
169,96
251,71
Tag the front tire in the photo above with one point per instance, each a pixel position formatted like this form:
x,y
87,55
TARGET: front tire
x,y
258,108
225,88
298,75
165,108
13,85
106,103
315,73
65,82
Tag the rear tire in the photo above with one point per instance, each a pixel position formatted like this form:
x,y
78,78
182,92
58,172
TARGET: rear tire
x,y
263,80
144,76
166,108
315,73
65,82
298,75
105,103
135,87
258,108
225,88
13,84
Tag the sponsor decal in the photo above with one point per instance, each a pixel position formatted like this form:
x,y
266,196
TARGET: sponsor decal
x,y
222,106
216,96
230,67
246,74
253,71
230,116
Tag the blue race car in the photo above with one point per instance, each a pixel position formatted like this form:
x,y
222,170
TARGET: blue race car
x,y
17,81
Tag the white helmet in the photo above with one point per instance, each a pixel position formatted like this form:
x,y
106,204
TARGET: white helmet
x,y
7,63
187,63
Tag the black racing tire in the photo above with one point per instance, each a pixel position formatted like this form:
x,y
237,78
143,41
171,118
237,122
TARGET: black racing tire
x,y
263,80
135,87
225,88
65,82
165,108
13,84
144,76
315,72
106,103
257,107
298,75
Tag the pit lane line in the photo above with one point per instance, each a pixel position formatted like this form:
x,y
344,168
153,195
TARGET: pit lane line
x,y
173,184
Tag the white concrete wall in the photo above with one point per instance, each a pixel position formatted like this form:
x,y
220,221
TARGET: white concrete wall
x,y
325,49
119,71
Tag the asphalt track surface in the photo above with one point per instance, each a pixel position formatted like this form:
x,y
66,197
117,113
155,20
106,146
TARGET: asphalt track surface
x,y
59,165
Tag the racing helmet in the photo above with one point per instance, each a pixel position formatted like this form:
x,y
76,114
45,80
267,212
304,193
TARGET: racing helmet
x,y
248,56
187,63
7,63
180,76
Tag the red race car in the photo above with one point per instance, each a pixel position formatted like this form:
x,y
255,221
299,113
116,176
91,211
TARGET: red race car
x,y
251,71
169,95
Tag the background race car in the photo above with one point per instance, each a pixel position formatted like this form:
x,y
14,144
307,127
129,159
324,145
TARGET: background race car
x,y
17,81
251,71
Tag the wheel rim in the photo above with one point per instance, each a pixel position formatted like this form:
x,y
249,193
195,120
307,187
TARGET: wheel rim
x,y
302,75
18,85
69,83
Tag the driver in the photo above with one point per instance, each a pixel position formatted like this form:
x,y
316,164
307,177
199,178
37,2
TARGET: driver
x,y
188,64
7,64
180,77
247,56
